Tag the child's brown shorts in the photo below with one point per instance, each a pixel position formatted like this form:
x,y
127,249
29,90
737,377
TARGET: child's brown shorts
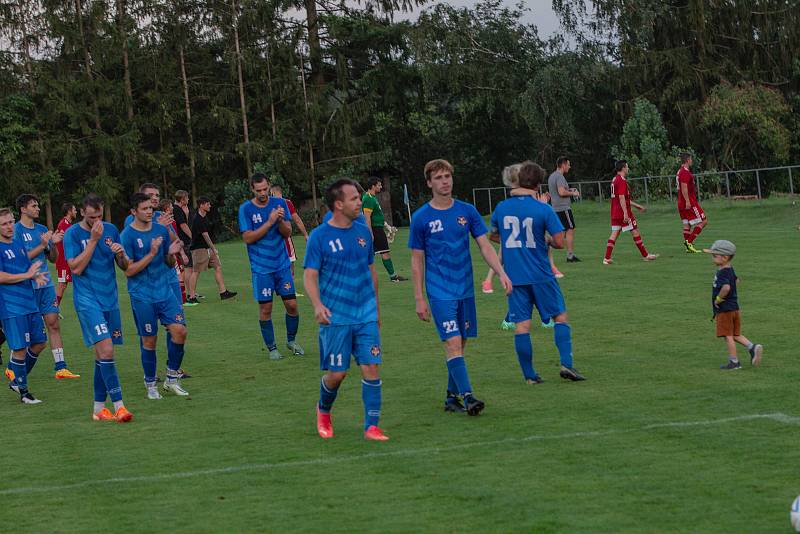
x,y
729,323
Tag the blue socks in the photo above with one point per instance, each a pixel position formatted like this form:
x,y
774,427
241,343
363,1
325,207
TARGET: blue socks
x,y
168,337
452,388
563,338
524,348
458,370
292,324
175,356
371,396
30,361
148,364
100,392
268,334
20,371
326,397
109,371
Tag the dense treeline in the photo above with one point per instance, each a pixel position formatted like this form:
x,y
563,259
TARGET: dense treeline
x,y
193,94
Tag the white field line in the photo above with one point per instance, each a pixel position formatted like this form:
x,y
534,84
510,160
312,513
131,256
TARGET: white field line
x,y
776,417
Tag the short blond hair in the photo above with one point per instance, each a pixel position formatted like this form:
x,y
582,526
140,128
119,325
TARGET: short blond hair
x,y
6,211
436,165
511,176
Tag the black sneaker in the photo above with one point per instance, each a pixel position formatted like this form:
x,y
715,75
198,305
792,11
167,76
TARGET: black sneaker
x,y
191,302
398,278
731,365
200,296
570,373
755,354
453,404
535,380
573,259
25,397
227,295
474,406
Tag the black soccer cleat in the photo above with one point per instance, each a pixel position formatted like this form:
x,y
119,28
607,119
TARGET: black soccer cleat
x,y
731,365
225,295
537,379
573,259
453,404
570,373
474,406
398,278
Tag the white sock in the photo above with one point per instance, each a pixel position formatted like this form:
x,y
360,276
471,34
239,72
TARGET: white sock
x,y
118,404
58,355
98,406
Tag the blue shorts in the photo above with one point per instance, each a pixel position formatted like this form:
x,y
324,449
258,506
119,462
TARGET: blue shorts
x,y
24,330
338,342
97,325
280,282
455,318
46,300
147,314
176,290
546,296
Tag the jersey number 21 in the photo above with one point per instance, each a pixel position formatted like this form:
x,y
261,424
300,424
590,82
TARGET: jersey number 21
x,y
512,223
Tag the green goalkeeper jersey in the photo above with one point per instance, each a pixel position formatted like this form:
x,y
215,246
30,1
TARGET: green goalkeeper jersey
x,y
372,207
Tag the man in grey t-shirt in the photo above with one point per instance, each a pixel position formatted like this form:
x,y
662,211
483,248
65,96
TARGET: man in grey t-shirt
x,y
561,195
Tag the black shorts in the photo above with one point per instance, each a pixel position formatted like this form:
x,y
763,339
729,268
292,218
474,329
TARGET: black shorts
x,y
379,241
188,252
567,219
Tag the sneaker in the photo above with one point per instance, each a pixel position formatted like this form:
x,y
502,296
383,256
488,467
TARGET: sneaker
x,y
225,295
453,404
607,261
550,324
26,398
152,391
375,434
122,415
324,425
570,373
573,259
755,354
650,257
507,325
487,287
557,273
103,415
396,278
65,373
690,248
199,296
191,302
274,354
295,348
13,386
474,406
535,380
731,365
175,387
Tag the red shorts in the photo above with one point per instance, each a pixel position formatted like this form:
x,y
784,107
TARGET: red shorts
x,y
693,215
619,224
64,274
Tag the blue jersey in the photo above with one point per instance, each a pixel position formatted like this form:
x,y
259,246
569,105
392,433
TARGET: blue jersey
x,y
154,282
32,238
96,287
522,222
16,299
444,236
343,257
360,219
268,254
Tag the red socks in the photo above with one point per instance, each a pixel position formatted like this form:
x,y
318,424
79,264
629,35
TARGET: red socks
x,y
638,241
693,235
609,248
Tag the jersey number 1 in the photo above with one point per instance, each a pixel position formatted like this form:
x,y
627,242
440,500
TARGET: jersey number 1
x,y
511,222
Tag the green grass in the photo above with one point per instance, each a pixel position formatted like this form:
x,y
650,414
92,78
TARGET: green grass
x,y
242,453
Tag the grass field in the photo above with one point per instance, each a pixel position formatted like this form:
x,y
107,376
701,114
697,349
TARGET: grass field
x,y
658,439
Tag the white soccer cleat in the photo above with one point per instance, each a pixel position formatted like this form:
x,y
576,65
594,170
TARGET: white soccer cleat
x,y
152,392
650,257
608,261
175,387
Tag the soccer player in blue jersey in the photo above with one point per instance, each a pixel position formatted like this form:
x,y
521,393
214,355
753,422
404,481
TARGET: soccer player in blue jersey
x,y
519,224
20,316
151,273
439,243
92,248
264,223
340,279
40,244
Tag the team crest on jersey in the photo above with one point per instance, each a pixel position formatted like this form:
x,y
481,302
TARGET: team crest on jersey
x,y
178,317
116,333
287,285
375,350
109,241
362,242
462,220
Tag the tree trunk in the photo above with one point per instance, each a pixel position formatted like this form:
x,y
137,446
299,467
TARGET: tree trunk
x,y
190,135
126,76
314,47
271,97
310,137
242,102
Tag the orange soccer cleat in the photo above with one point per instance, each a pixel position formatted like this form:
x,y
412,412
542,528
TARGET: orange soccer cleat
x,y
375,434
324,425
65,373
123,415
103,415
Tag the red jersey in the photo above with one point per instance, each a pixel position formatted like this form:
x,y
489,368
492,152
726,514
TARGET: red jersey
x,y
288,240
685,176
289,203
619,187
61,261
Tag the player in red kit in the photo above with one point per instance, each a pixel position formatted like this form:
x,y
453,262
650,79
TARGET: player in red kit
x,y
277,191
622,219
68,214
692,215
